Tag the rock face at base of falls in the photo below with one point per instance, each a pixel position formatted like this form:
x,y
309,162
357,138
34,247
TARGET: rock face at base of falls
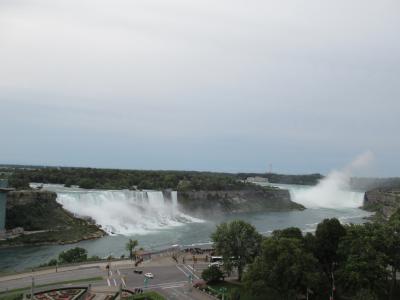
x,y
237,201
44,221
383,201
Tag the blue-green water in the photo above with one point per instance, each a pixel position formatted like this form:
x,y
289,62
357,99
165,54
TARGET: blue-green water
x,y
173,228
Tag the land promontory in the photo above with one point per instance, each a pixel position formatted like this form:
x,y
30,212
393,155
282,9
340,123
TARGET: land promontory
x,y
43,220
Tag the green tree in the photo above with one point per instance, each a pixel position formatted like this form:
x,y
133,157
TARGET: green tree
x,y
363,266
212,274
238,243
130,247
365,294
87,183
283,270
69,182
52,262
327,238
73,255
290,232
390,238
19,182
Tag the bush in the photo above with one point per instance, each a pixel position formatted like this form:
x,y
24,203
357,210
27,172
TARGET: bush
x,y
73,255
212,274
52,262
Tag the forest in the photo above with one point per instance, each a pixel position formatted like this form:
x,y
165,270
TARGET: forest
x,y
93,178
358,262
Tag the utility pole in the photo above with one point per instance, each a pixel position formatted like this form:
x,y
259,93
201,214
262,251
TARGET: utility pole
x,y
32,288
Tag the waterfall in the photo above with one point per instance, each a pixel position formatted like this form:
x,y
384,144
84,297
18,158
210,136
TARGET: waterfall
x,y
334,190
325,195
126,212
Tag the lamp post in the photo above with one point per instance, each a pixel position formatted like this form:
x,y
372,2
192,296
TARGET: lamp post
x,y
32,288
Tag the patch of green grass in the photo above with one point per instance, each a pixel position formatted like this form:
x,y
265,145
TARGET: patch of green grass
x,y
14,292
12,297
229,286
225,284
147,296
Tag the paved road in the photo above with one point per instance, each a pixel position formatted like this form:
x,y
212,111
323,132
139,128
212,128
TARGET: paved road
x,y
172,274
171,280
48,278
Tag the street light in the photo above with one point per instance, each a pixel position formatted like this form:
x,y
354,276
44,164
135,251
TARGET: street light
x,y
32,288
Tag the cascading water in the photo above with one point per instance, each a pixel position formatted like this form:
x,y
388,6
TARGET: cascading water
x,y
325,195
126,212
333,191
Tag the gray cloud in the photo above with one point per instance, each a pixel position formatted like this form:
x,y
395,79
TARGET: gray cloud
x,y
218,85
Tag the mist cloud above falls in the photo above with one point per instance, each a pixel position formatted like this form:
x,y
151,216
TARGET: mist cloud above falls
x,y
334,190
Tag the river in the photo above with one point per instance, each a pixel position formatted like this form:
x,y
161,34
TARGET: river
x,y
154,219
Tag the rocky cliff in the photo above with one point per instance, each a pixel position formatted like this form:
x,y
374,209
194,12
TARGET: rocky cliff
x,y
44,220
383,201
240,201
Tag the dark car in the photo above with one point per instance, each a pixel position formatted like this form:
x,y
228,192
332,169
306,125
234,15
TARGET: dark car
x,y
137,271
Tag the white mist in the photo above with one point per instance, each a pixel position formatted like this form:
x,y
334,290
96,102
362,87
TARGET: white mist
x,y
334,190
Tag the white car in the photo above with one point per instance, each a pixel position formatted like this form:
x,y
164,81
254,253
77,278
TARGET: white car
x,y
217,264
149,275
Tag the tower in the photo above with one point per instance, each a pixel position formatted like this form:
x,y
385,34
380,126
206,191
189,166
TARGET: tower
x,y
3,203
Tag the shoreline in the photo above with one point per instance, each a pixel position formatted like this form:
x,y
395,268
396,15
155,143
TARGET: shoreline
x,y
101,234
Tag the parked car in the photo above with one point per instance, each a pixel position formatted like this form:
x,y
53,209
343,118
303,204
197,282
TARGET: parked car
x,y
137,271
149,275
217,264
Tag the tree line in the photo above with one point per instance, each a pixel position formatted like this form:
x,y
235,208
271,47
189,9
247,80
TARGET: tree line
x,y
96,178
337,262
90,178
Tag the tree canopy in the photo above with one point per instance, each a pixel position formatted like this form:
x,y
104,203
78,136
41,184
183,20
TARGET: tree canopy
x,y
282,270
238,242
130,246
73,255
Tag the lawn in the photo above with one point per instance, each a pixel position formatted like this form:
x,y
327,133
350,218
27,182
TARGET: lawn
x,y
229,286
147,296
11,297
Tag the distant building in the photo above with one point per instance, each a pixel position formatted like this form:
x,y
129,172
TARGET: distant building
x,y
3,203
257,179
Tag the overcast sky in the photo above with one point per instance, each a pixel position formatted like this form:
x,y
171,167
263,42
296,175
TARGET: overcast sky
x,y
304,85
